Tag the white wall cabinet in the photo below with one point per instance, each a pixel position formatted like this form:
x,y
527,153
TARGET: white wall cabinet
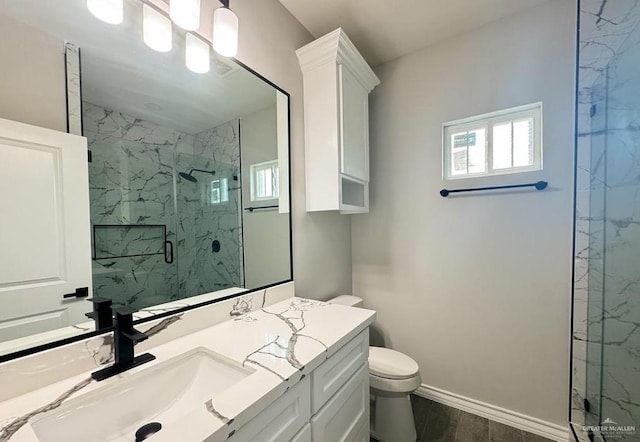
x,y
337,83
330,405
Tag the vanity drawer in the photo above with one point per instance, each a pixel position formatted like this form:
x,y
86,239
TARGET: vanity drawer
x,y
303,435
345,417
327,379
281,420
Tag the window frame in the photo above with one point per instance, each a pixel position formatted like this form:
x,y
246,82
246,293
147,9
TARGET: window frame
x,y
224,197
252,179
487,122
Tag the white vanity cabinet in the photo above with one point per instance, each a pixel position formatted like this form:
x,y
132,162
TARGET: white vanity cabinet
x,y
329,405
337,83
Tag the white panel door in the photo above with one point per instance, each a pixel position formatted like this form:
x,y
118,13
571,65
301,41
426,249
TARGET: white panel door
x,y
44,229
354,127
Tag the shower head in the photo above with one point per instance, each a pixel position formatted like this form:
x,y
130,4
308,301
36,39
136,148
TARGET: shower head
x,y
189,176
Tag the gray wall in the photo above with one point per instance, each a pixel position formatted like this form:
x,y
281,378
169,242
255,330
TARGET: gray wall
x,y
32,76
475,288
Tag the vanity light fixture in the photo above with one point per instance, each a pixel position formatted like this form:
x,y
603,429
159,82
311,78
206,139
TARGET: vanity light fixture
x,y
109,11
225,31
185,13
197,54
156,29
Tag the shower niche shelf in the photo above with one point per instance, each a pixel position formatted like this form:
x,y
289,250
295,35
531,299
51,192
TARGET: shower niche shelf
x,y
113,241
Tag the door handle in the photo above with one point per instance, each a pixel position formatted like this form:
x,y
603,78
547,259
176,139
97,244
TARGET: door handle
x,y
81,292
168,252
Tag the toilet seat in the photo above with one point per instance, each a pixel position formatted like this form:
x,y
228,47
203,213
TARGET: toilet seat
x,y
390,364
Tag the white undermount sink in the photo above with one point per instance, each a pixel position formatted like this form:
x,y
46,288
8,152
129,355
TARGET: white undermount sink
x,y
163,393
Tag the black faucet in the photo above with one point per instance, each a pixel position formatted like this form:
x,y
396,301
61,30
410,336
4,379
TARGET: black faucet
x,y
101,314
124,338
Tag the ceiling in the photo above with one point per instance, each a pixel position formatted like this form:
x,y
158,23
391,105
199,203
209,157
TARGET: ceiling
x,y
119,72
387,29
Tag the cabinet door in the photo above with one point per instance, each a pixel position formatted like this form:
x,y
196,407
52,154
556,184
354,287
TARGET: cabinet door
x,y
343,417
281,420
303,435
44,229
333,373
354,126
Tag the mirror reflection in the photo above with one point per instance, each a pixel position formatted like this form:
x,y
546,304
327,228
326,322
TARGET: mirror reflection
x,y
187,172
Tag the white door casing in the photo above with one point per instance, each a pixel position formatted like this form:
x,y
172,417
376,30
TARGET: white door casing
x,y
44,229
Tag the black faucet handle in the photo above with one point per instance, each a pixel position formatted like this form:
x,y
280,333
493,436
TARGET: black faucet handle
x,y
123,316
97,300
124,323
101,313
135,336
123,311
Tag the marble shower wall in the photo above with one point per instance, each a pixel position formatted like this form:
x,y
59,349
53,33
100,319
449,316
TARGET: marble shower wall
x,y
132,183
606,336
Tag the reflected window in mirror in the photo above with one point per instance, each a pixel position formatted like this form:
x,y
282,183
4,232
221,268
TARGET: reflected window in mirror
x,y
264,181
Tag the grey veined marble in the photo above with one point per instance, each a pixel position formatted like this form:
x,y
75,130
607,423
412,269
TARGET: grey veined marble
x,y
142,209
74,103
606,335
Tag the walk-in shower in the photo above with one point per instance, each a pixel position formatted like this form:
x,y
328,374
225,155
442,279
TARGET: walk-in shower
x,y
153,222
606,328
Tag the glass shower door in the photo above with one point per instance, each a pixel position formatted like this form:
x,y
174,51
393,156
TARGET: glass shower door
x,y
613,356
134,221
209,226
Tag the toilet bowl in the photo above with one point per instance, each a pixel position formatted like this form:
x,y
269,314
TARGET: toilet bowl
x,y
393,376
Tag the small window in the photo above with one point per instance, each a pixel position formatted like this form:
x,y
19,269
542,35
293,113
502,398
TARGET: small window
x,y
264,181
219,191
502,142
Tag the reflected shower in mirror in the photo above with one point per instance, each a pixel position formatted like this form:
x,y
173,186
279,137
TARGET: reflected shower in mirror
x,y
188,172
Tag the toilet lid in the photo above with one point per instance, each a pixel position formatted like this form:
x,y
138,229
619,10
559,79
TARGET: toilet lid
x,y
391,364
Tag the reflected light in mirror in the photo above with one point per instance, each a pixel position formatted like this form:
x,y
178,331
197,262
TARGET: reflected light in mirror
x,y
197,54
225,32
156,29
109,11
185,13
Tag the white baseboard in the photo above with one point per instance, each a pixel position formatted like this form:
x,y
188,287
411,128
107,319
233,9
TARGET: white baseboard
x,y
497,414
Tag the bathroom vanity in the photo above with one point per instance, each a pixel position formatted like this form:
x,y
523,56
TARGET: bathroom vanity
x,y
295,370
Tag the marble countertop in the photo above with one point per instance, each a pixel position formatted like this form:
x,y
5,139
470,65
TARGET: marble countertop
x,y
283,343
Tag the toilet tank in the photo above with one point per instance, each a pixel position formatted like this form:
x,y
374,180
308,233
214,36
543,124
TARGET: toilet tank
x,y
351,301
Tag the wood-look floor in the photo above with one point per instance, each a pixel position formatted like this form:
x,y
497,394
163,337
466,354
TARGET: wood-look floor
x,y
438,423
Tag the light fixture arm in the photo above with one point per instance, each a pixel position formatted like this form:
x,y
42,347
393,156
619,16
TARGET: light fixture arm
x,y
225,3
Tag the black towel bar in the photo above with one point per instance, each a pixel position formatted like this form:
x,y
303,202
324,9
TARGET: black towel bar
x,y
540,185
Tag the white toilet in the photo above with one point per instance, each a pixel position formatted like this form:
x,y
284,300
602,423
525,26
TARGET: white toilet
x,y
393,376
